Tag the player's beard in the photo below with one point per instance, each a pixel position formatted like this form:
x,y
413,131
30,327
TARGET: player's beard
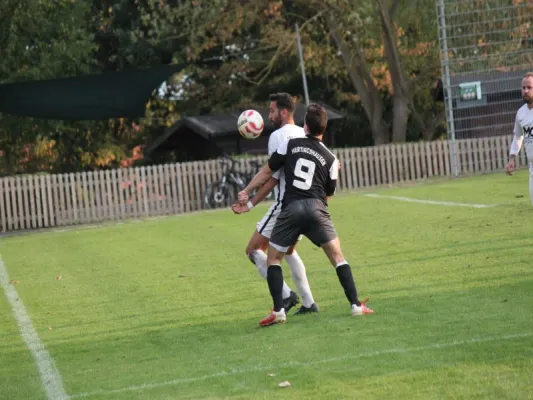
x,y
276,122
528,98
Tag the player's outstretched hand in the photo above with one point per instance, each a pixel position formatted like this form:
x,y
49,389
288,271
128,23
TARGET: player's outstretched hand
x,y
510,167
243,197
239,208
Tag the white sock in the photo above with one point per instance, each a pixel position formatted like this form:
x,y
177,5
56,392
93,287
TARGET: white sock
x,y
259,258
299,277
343,262
286,290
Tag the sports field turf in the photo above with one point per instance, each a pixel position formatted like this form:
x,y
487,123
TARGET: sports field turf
x,y
169,308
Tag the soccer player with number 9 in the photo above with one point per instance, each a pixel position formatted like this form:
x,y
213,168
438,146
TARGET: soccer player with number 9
x,y
281,114
311,171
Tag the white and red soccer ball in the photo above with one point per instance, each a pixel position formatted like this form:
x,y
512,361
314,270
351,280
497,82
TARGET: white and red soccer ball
x,y
250,124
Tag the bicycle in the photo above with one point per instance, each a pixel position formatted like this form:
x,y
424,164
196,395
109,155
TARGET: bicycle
x,y
223,193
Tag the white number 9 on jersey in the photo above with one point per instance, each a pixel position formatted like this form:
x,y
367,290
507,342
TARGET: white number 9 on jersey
x,y
305,176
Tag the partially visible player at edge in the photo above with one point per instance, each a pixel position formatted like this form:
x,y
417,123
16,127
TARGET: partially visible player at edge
x,y
311,171
523,131
281,114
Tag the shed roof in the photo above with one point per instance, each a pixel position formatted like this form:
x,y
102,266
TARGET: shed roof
x,y
214,126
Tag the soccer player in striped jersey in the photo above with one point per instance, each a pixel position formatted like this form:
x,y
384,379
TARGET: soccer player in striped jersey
x,y
523,131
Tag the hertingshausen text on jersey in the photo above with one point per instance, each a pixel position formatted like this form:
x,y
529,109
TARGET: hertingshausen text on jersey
x,y
310,152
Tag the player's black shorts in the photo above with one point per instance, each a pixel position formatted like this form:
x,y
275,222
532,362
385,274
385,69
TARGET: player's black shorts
x,y
309,217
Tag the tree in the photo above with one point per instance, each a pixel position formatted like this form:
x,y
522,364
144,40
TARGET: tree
x,y
367,58
38,40
401,100
369,41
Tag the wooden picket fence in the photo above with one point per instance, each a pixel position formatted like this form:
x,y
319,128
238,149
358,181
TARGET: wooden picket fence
x,y
41,201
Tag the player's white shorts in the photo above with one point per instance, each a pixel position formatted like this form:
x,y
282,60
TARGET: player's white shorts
x,y
266,225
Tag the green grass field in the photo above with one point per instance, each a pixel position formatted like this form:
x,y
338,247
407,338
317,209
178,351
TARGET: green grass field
x,y
168,308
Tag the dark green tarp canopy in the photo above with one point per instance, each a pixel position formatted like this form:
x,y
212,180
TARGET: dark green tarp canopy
x,y
89,97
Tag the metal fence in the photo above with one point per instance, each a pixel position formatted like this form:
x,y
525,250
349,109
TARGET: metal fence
x,y
486,47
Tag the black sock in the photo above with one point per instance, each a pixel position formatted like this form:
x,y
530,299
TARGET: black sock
x,y
275,284
344,272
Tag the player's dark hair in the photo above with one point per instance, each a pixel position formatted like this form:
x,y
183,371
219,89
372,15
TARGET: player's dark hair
x,y
316,119
284,101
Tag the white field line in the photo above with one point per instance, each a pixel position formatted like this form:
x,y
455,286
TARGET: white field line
x,y
439,203
50,376
12,235
263,368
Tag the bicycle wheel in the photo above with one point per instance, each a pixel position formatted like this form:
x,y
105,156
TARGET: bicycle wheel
x,y
208,194
219,195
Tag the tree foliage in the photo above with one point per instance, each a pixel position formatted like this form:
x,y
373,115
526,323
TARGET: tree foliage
x,y
40,40
374,60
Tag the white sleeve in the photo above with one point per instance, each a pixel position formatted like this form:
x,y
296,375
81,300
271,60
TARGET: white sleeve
x,y
334,170
277,159
518,138
281,149
331,186
273,143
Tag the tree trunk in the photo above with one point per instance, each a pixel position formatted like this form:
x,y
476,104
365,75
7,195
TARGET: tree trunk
x,y
9,162
380,133
359,74
400,117
401,100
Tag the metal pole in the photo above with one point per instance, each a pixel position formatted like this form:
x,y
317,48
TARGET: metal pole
x,y
448,86
302,66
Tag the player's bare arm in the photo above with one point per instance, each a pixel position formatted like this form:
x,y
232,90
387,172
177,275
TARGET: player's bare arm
x,y
511,165
264,191
257,181
258,198
518,138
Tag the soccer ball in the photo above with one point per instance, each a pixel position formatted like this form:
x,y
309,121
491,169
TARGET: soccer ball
x,y
250,124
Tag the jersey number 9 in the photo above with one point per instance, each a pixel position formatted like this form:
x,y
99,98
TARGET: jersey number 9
x,y
303,174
